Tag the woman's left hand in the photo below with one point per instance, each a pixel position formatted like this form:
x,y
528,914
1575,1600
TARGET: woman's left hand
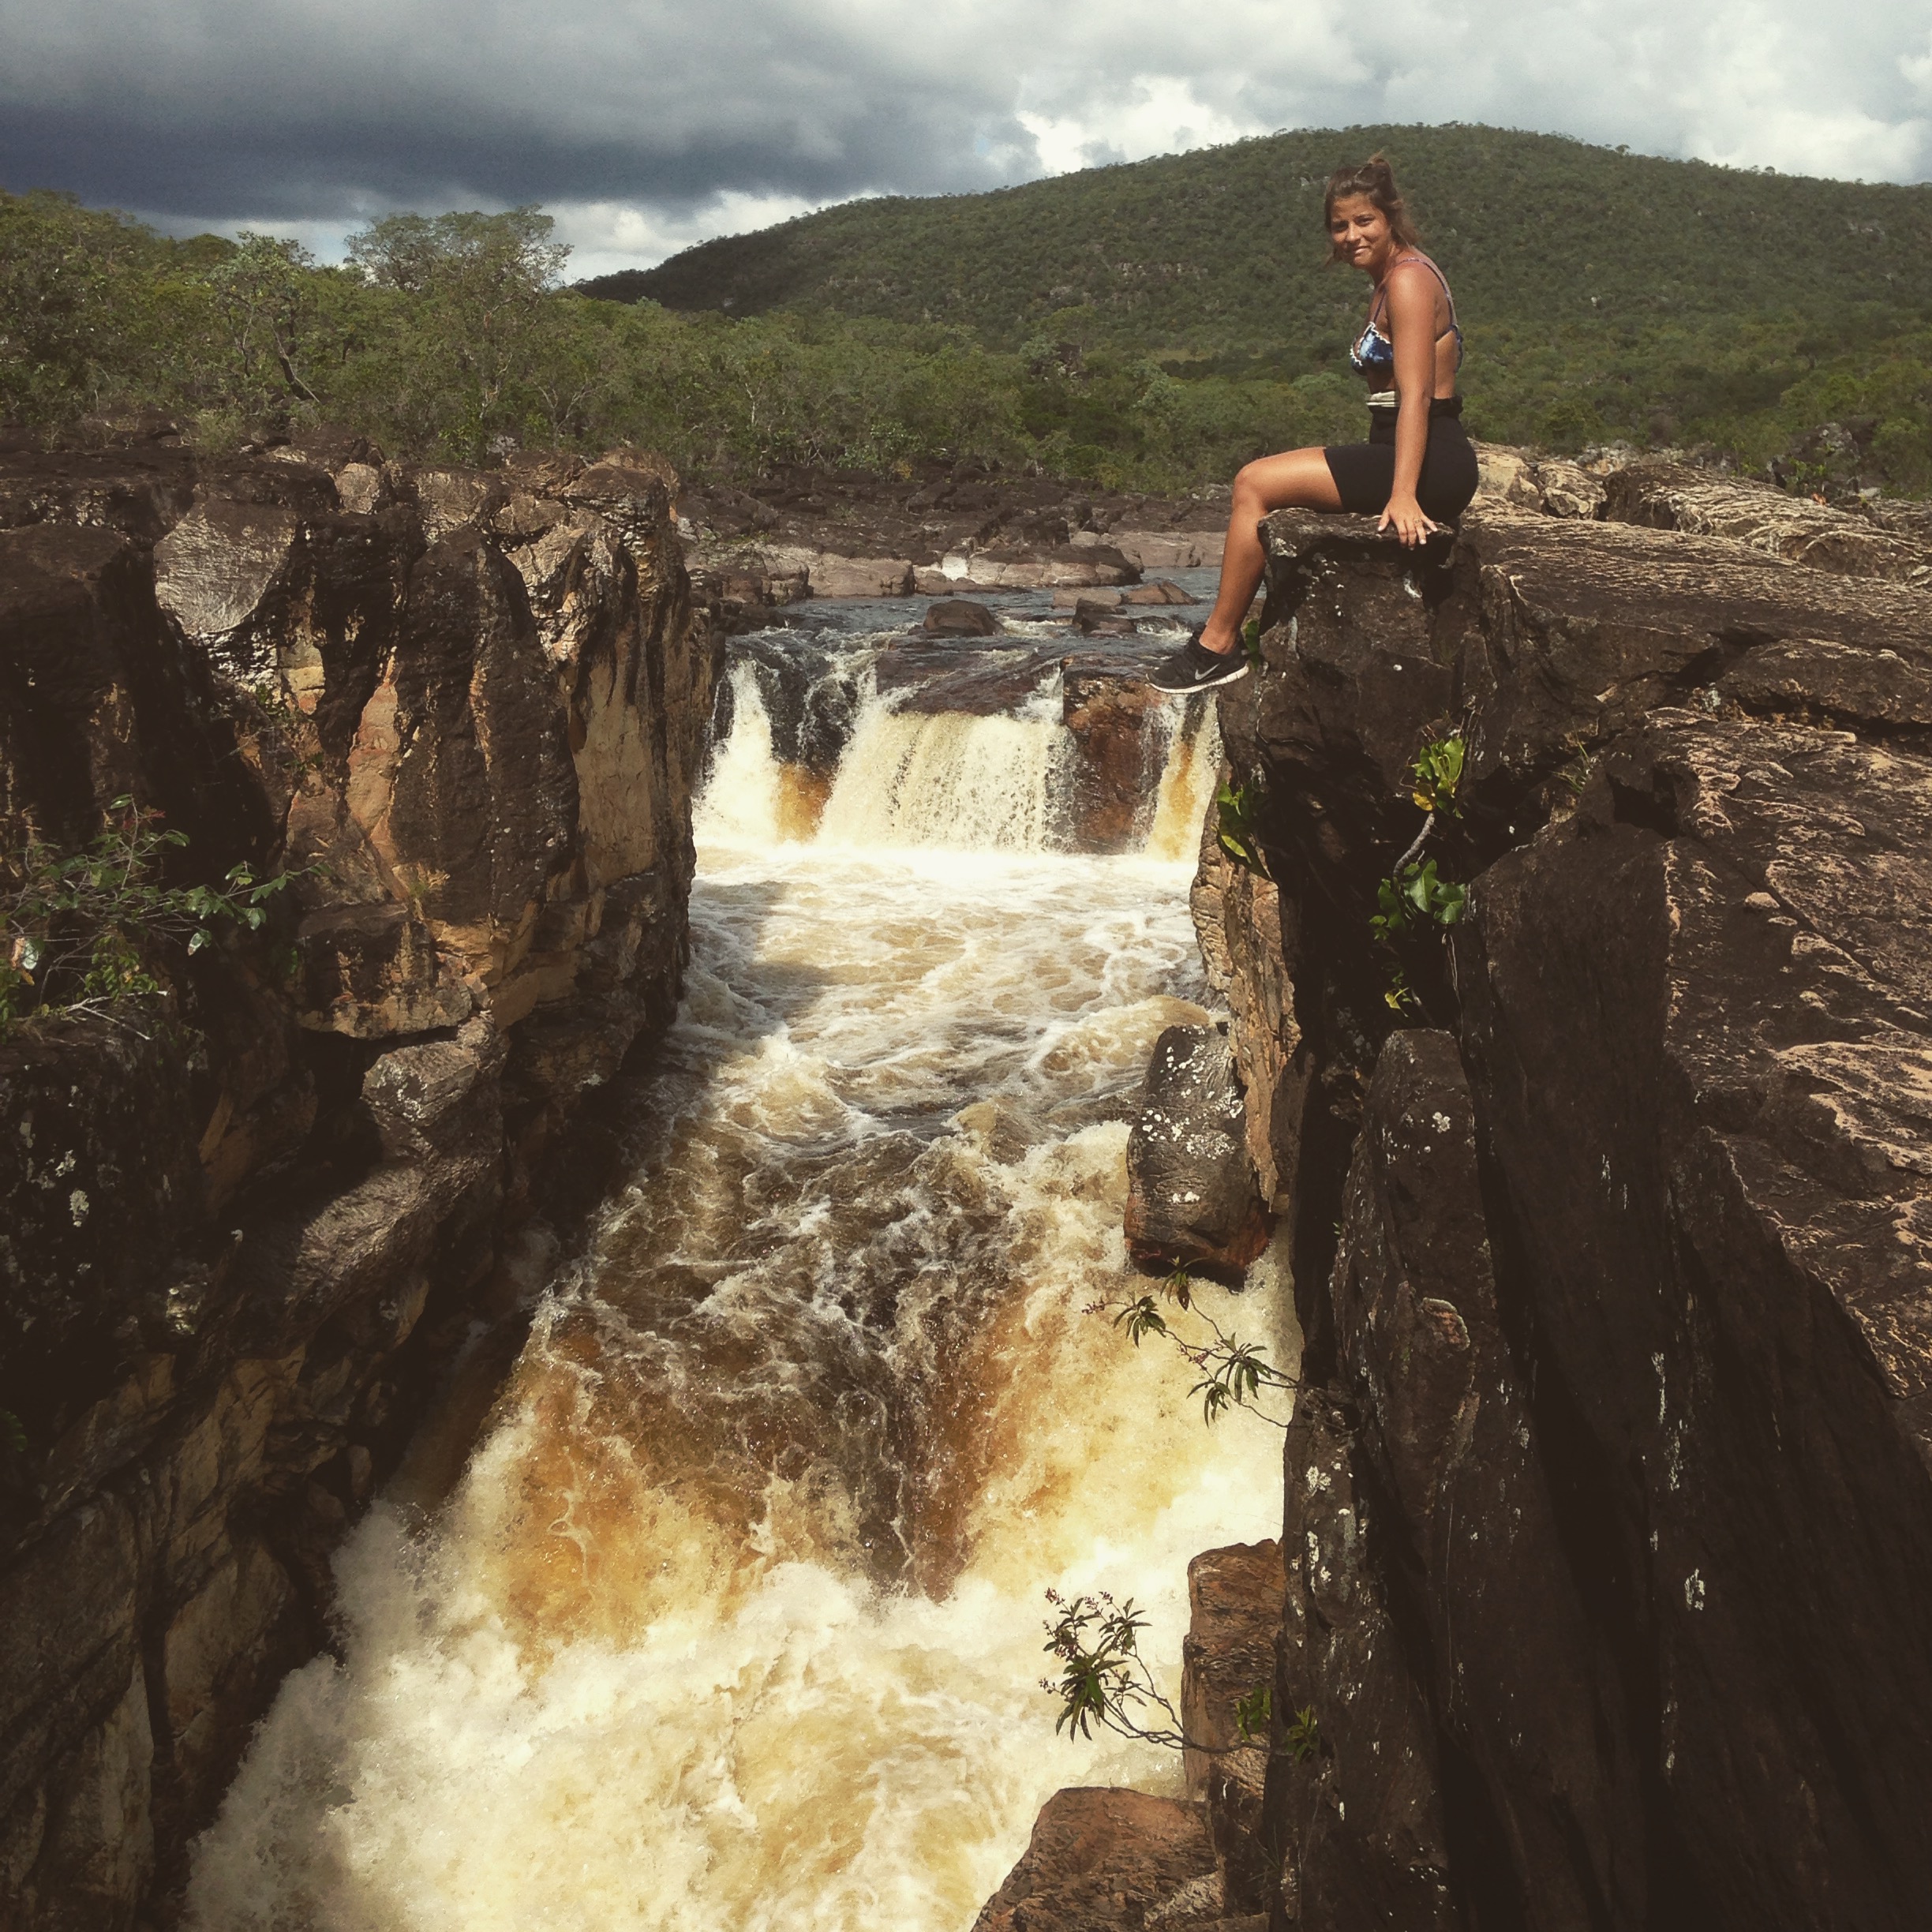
x,y
1403,515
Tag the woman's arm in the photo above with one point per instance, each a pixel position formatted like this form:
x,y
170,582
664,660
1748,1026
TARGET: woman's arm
x,y
1410,295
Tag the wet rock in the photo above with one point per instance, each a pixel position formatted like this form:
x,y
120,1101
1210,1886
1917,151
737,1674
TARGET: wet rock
x,y
979,681
960,617
1235,1598
1191,1193
1110,1861
1097,601
810,703
1121,726
1097,620
1159,591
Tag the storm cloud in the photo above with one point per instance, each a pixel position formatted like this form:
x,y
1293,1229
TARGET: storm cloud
x,y
644,126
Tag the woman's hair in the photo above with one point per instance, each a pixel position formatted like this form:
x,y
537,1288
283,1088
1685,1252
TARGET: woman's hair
x,y
1374,179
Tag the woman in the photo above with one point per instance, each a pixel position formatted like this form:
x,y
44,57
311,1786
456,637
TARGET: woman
x,y
1418,468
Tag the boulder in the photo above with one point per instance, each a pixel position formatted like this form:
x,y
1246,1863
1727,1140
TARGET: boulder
x,y
1094,600
1121,726
1111,1861
1191,1193
960,617
1235,1599
1159,591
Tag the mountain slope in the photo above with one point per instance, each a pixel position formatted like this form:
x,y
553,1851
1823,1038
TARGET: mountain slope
x,y
1221,250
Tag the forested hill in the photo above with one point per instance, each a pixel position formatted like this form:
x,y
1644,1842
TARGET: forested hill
x,y
1221,250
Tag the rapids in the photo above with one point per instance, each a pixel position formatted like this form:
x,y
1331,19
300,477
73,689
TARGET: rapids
x,y
734,1618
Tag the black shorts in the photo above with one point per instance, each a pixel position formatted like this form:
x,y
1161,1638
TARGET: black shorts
x,y
1365,473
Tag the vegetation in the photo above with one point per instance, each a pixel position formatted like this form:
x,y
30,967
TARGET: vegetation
x,y
1414,898
1604,293
1234,1372
81,931
1104,1680
1149,326
1235,830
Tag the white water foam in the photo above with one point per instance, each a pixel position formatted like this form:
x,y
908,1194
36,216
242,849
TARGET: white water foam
x,y
735,1620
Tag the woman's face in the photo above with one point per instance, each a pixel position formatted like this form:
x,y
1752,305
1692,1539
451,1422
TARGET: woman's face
x,y
1359,229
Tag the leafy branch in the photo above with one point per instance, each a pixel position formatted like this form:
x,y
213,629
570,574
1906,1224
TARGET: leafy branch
x,y
1235,830
1415,898
78,931
1234,1372
1104,1679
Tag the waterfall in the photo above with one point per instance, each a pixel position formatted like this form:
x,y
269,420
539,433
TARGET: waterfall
x,y
949,779
733,1621
953,780
1187,786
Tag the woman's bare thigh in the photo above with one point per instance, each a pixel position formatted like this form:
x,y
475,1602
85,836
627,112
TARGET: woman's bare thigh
x,y
1297,477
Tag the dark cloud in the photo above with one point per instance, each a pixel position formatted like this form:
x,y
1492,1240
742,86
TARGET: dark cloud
x,y
646,124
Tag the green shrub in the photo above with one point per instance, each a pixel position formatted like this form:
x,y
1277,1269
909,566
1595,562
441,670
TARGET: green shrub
x,y
81,931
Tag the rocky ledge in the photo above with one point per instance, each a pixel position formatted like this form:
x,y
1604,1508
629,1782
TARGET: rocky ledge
x,y
249,1220
805,533
1608,1520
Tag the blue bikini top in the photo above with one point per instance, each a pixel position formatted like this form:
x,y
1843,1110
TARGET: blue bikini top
x,y
1374,354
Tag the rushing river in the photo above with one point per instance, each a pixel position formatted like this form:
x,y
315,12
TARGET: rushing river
x,y
733,1621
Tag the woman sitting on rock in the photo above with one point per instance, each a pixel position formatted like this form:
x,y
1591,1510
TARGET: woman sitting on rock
x,y
1417,468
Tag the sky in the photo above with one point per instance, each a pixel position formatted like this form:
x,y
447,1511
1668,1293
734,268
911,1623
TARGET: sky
x,y
644,125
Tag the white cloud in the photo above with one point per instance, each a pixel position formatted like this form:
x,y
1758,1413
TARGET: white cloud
x,y
648,124
607,236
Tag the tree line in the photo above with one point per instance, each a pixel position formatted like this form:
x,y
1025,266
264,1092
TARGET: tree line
x,y
452,337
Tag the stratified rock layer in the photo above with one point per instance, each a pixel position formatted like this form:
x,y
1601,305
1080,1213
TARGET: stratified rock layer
x,y
247,1221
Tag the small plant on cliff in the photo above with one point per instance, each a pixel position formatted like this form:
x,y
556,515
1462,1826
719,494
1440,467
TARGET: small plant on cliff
x,y
12,1434
1250,643
1304,1735
78,931
1104,1679
1253,1713
1437,772
1234,827
1415,898
1234,1372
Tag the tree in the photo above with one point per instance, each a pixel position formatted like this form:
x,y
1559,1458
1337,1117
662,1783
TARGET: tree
x,y
472,314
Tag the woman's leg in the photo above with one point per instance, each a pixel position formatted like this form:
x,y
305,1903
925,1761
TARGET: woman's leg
x,y
1297,477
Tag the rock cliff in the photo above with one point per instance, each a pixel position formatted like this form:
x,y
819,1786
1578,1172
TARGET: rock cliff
x,y
1608,1514
250,1221
1608,1520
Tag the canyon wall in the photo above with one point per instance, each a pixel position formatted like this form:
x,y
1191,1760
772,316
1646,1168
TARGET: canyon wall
x,y
1608,1521
1607,1531
251,1220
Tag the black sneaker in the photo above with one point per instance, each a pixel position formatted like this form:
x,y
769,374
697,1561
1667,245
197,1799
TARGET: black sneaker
x,y
1195,668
